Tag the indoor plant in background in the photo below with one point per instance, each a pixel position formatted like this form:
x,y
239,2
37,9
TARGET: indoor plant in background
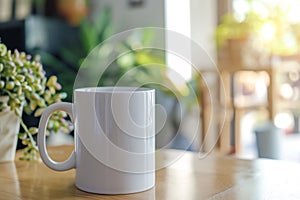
x,y
253,36
24,87
140,64
235,39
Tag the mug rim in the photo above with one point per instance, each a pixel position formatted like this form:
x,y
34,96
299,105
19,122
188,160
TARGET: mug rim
x,y
111,89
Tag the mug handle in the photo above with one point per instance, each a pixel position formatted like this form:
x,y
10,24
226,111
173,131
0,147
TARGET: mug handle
x,y
41,138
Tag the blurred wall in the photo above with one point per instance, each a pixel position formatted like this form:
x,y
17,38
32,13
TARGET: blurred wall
x,y
203,24
128,14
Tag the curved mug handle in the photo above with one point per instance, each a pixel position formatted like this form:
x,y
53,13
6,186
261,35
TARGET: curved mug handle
x,y
59,166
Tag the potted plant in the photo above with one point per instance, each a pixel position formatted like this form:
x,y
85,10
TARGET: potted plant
x,y
235,39
24,87
251,38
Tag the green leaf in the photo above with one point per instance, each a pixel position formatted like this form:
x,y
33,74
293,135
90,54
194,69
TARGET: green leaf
x,y
147,37
3,50
38,112
33,130
33,105
89,36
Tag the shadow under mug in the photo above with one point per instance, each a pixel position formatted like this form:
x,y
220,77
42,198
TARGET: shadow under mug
x,y
114,139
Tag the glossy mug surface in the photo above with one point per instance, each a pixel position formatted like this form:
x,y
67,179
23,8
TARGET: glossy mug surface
x,y
114,139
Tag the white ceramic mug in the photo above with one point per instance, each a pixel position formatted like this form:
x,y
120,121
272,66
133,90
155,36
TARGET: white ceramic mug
x,y
114,139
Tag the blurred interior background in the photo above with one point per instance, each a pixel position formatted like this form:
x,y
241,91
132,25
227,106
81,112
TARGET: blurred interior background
x,y
250,69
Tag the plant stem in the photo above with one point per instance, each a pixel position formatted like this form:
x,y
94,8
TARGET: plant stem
x,y
28,134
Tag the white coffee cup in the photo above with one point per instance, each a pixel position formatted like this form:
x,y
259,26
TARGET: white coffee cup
x,y
114,139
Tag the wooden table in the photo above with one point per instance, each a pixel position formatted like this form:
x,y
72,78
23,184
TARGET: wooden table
x,y
190,177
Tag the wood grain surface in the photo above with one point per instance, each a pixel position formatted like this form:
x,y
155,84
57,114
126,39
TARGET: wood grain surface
x,y
183,176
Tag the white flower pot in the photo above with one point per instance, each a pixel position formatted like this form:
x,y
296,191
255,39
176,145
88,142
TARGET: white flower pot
x,y
9,129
